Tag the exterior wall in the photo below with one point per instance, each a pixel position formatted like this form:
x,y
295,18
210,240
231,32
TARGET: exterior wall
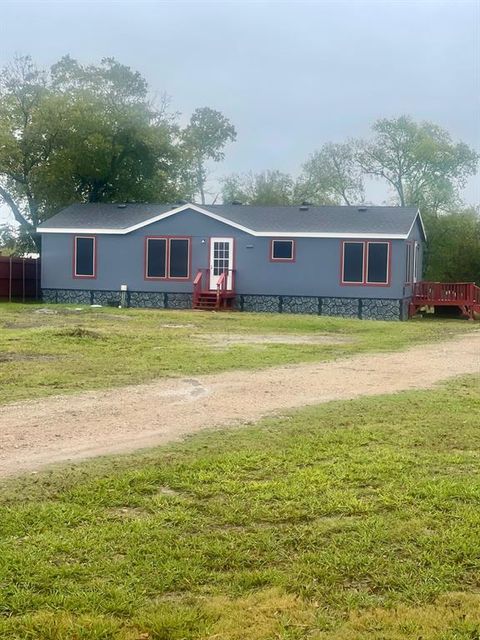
x,y
120,260
416,235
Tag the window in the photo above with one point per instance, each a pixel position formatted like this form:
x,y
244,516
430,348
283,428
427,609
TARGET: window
x,y
84,262
283,250
353,262
412,261
179,250
156,258
221,256
167,258
377,269
416,262
366,263
409,263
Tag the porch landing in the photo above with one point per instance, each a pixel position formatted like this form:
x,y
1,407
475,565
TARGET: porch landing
x,y
464,295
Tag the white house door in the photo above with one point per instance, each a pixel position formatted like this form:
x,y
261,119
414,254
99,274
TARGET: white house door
x,y
221,261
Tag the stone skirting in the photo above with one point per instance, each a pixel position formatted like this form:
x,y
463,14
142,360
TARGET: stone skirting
x,y
146,299
366,308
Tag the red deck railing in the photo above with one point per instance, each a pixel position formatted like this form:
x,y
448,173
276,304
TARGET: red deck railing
x,y
447,293
465,295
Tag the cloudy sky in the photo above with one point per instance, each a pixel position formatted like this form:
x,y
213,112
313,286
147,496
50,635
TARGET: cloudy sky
x,y
290,75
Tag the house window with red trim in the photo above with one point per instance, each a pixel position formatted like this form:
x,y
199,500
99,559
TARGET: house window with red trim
x,y
282,251
167,258
377,262
353,258
84,257
178,255
156,261
409,257
366,263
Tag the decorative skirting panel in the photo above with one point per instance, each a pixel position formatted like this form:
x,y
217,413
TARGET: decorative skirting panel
x,y
67,296
341,307
299,304
367,308
382,309
260,303
146,299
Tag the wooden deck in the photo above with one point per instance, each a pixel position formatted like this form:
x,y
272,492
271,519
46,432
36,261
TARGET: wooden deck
x,y
464,295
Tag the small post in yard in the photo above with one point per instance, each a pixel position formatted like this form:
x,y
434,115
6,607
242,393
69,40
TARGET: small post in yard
x,y
36,278
23,279
10,281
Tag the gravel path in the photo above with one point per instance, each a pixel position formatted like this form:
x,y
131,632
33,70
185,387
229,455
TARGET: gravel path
x,y
63,428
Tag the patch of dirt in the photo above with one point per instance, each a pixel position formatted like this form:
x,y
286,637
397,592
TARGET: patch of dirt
x,y
37,433
128,513
177,326
226,340
45,311
172,493
24,325
21,357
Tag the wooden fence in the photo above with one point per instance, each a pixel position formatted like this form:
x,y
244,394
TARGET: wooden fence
x,y
19,278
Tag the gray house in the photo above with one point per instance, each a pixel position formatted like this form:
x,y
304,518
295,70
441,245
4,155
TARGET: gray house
x,y
343,261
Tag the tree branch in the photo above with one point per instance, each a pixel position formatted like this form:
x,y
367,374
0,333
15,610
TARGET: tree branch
x,y
17,214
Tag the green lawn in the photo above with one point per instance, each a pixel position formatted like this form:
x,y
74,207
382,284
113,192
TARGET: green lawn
x,y
53,349
353,520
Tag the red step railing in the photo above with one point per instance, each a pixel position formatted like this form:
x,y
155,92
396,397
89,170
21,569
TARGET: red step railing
x,y
201,285
198,284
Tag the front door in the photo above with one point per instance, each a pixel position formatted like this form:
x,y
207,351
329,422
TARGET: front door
x,y
221,261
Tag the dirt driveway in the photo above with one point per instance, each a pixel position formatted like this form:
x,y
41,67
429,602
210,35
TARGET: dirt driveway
x,y
62,428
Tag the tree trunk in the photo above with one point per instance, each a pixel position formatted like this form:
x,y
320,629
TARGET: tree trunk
x,y
30,228
7,198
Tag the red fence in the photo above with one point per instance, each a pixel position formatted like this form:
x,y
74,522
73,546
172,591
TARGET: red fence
x,y
19,278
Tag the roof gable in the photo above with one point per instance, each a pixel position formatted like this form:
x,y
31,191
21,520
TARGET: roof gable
x,y
321,222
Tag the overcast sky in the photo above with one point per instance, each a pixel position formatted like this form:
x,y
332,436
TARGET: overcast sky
x,y
290,75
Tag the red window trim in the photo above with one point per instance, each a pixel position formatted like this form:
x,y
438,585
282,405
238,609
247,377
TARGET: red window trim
x,y
365,282
167,239
74,261
293,243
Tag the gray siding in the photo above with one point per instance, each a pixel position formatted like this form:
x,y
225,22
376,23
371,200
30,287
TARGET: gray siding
x,y
415,235
120,260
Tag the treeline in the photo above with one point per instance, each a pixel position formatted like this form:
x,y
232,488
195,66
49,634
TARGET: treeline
x,y
420,165
78,133
92,133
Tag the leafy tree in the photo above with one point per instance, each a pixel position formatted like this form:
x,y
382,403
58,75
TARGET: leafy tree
x,y
8,240
453,247
332,176
265,188
204,139
420,162
80,134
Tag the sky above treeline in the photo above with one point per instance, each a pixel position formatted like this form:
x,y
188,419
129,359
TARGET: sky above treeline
x,y
290,75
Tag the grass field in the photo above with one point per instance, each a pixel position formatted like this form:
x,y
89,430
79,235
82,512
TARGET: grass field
x,y
53,349
348,521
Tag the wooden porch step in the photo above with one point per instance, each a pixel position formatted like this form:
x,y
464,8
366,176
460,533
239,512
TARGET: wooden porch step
x,y
208,300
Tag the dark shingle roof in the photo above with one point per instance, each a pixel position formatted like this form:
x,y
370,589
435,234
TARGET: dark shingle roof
x,y
395,221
